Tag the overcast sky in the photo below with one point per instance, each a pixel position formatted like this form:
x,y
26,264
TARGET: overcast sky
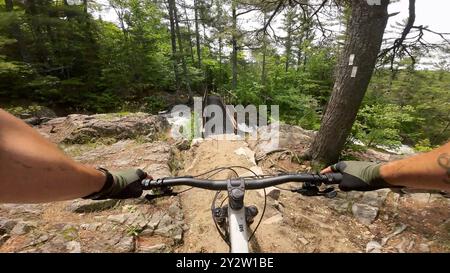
x,y
432,13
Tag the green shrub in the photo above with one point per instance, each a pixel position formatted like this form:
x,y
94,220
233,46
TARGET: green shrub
x,y
154,104
380,124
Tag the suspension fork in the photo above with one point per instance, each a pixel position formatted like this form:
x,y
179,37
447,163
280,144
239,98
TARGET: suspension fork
x,y
234,218
237,225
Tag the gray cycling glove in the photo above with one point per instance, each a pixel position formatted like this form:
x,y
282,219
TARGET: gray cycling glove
x,y
120,185
360,176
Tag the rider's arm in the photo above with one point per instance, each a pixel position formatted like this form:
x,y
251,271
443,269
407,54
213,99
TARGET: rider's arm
x,y
32,169
424,171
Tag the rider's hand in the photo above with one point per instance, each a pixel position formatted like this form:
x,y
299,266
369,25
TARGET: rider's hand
x,y
121,185
359,175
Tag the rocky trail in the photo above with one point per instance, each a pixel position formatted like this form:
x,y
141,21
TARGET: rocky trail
x,y
381,221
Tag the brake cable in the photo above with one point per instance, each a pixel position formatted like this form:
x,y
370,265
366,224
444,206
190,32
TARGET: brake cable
x,y
213,204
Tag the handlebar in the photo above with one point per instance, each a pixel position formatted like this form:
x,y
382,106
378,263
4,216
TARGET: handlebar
x,y
250,184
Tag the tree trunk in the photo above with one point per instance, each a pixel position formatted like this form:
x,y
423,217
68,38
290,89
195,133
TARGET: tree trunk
x,y
85,6
17,34
299,52
234,45
365,33
9,5
197,35
264,51
188,24
288,44
180,46
220,63
173,43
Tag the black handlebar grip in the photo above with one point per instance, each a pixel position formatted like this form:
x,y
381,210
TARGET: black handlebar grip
x,y
334,178
146,184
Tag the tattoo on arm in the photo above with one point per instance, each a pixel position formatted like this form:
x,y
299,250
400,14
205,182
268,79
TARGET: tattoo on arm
x,y
444,162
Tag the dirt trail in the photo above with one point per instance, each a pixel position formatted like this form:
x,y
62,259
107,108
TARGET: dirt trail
x,y
282,230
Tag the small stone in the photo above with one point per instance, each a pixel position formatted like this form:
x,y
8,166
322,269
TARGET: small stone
x,y
86,205
141,222
175,211
278,218
373,247
401,246
278,206
90,227
371,198
4,238
178,237
70,232
126,244
22,209
354,195
341,206
158,248
146,232
73,247
183,144
410,246
172,231
118,218
421,197
364,213
84,226
107,227
425,248
303,240
272,192
165,220
23,228
41,239
397,231
6,225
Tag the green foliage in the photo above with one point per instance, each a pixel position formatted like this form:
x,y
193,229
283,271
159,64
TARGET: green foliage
x,y
380,124
60,56
23,111
426,91
192,126
297,108
423,145
154,104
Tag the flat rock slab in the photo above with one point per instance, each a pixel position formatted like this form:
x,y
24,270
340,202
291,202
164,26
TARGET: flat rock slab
x,y
79,128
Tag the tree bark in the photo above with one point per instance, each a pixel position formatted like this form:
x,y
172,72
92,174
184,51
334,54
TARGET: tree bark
x,y
173,43
264,52
9,5
197,35
85,6
188,24
180,46
288,44
234,45
365,33
17,33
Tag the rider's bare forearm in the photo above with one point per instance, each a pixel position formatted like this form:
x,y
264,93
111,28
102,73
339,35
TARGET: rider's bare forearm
x,y
32,169
424,171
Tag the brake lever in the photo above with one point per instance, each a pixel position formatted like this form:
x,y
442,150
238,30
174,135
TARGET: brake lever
x,y
309,189
165,191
